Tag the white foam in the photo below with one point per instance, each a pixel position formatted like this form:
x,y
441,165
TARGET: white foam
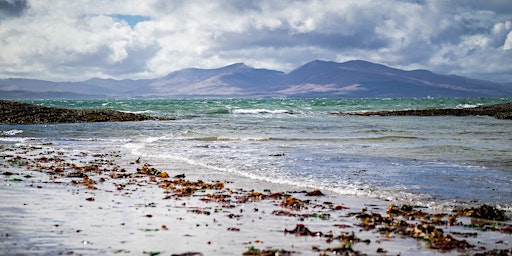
x,y
11,132
261,111
137,112
226,138
134,148
468,105
13,139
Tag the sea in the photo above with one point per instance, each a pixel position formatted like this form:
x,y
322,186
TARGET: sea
x,y
440,162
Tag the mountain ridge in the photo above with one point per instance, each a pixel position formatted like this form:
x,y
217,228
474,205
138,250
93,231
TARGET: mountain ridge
x,y
317,78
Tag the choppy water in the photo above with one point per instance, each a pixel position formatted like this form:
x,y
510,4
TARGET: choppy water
x,y
434,161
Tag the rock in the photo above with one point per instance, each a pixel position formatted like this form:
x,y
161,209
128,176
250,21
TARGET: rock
x,y
499,111
315,193
301,230
22,113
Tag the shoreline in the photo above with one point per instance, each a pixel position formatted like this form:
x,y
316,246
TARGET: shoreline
x,y
111,202
499,111
13,112
23,113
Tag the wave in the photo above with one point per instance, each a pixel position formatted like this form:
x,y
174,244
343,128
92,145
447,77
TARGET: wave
x,y
252,168
14,139
218,111
99,139
215,138
262,111
396,194
10,132
301,139
468,105
389,137
137,112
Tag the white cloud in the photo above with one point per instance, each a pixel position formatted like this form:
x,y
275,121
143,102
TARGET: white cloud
x,y
508,42
75,40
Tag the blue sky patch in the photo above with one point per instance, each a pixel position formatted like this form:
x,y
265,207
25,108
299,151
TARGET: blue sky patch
x,y
132,20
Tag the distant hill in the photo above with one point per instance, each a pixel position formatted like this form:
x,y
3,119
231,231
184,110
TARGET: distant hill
x,y
317,78
233,80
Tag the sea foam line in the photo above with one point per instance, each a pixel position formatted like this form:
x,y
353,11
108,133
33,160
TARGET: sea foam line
x,y
11,132
261,111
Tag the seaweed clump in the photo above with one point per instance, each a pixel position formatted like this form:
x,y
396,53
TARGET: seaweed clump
x,y
483,212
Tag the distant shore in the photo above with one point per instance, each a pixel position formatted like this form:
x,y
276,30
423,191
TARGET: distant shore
x,y
23,113
499,111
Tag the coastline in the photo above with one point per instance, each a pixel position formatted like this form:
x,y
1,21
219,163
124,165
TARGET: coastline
x,y
63,198
105,201
12,112
499,111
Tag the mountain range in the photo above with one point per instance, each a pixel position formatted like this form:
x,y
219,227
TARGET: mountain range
x,y
317,78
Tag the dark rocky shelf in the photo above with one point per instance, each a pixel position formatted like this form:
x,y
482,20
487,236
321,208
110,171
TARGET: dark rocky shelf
x,y
23,113
499,111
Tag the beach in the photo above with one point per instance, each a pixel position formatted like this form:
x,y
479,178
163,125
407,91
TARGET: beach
x,y
114,203
85,189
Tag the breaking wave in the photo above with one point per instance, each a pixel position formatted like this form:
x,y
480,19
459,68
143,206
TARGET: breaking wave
x,y
261,111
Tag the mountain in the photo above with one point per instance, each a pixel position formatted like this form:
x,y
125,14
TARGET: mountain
x,y
234,80
365,79
317,78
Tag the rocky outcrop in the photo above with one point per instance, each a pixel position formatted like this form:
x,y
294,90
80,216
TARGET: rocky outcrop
x,y
500,111
23,113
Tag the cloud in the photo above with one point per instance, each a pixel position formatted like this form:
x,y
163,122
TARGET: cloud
x,y
132,20
12,8
77,40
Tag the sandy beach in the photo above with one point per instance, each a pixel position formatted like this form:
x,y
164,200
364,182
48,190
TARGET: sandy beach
x,y
60,201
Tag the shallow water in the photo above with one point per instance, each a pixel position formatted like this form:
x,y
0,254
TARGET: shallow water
x,y
434,161
45,211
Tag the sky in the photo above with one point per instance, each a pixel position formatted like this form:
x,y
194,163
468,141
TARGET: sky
x,y
61,40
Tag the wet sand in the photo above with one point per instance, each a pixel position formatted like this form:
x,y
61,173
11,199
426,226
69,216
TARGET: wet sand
x,y
57,200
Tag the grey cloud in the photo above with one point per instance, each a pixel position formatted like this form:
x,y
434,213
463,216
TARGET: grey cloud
x,y
355,28
242,6
455,36
133,64
283,38
13,8
167,7
497,6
